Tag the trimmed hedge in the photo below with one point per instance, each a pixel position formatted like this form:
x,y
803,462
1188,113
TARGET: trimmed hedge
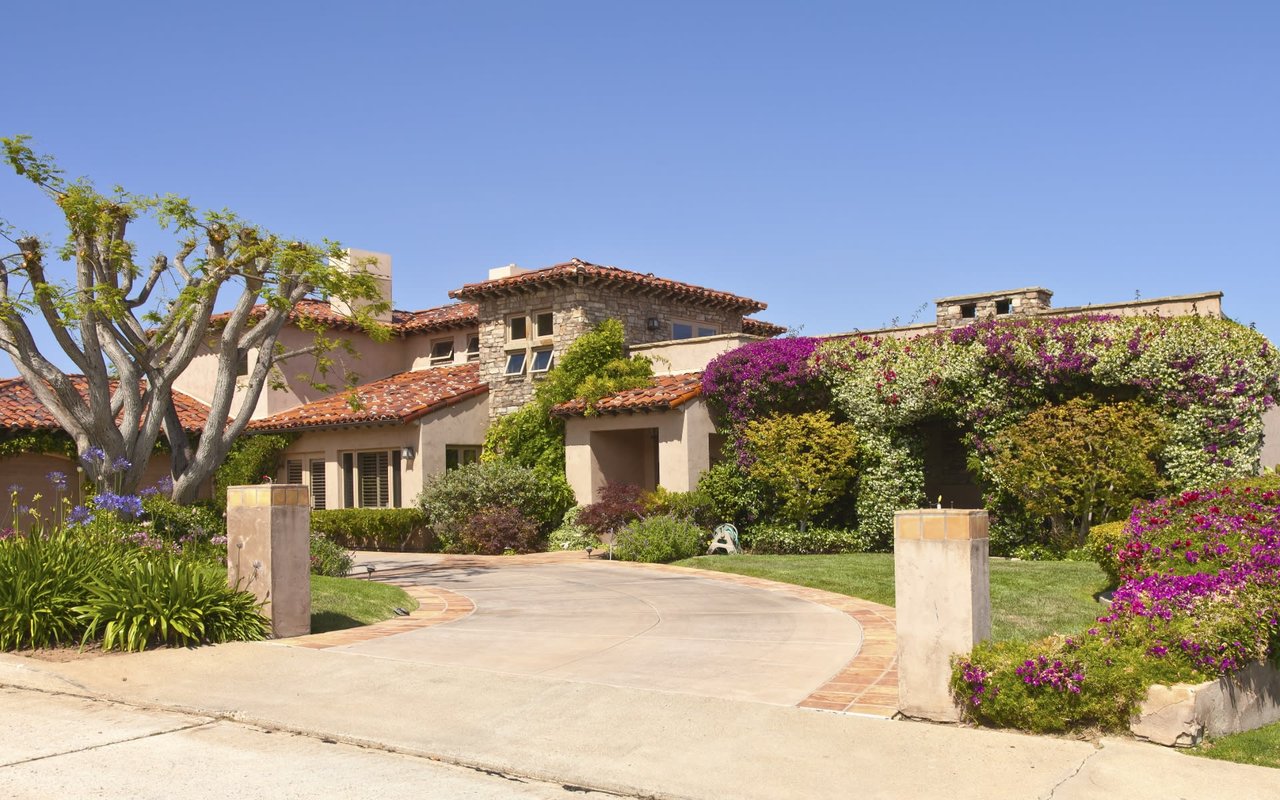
x,y
403,529
789,540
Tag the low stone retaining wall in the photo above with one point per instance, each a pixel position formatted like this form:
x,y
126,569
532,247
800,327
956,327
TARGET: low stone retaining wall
x,y
1182,714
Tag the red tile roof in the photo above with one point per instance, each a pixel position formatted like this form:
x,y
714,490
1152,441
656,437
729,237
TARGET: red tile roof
x,y
454,315
663,393
21,410
578,271
758,327
400,398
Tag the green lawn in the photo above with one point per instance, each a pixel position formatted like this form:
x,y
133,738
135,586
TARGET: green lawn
x,y
1029,599
1260,748
338,603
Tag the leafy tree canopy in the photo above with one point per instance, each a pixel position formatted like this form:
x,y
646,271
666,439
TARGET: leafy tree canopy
x,y
131,326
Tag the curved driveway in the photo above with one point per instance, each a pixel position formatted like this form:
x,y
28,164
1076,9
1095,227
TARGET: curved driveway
x,y
621,625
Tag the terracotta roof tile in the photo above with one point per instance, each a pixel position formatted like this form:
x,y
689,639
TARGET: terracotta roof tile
x,y
21,410
581,271
401,398
454,315
663,393
758,327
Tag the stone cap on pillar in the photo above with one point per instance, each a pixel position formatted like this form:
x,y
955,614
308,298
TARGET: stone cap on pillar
x,y
940,523
267,495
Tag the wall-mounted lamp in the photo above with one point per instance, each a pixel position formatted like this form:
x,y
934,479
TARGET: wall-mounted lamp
x,y
652,323
406,453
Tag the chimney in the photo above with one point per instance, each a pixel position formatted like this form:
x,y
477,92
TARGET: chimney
x,y
376,264
509,271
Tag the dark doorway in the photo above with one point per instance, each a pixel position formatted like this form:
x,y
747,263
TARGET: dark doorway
x,y
946,474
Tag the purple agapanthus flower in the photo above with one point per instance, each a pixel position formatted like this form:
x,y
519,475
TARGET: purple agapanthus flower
x,y
58,479
80,516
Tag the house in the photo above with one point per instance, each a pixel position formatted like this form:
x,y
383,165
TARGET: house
x,y
429,392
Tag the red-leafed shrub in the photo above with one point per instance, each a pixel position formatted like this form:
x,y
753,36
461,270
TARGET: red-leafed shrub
x,y
494,531
619,504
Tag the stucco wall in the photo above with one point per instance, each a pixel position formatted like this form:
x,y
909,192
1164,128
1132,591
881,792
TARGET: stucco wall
x,y
595,457
1271,438
417,348
369,360
689,355
460,424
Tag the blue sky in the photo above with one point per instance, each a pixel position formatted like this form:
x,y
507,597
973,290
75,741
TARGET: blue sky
x,y
843,162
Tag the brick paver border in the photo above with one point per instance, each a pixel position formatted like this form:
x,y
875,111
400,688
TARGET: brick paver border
x,y
435,607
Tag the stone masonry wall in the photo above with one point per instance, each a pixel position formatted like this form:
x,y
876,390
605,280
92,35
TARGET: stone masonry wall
x,y
1022,302
575,310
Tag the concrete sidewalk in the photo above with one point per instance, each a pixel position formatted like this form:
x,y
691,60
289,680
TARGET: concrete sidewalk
x,y
629,741
76,747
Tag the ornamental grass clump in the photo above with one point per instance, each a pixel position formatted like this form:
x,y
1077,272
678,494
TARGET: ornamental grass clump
x,y
1199,597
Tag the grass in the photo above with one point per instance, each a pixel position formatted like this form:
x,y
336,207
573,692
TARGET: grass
x,y
1029,599
1260,747
338,603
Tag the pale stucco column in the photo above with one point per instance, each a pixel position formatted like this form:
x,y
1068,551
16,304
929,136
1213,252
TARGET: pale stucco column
x,y
269,552
943,588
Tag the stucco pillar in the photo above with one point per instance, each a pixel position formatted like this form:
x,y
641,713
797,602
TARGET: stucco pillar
x,y
269,552
943,588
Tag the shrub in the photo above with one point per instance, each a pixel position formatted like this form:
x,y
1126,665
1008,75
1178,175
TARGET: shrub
x,y
1199,598
733,496
659,540
328,558
808,461
42,581
1105,543
250,458
619,504
1058,684
167,600
570,535
452,498
790,540
1079,462
694,506
497,531
376,528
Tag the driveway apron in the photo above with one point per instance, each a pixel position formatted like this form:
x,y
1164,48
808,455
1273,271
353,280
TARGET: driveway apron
x,y
610,623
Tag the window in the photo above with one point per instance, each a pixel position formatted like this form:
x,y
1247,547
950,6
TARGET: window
x,y
1004,306
307,473
242,363
473,347
317,483
543,324
688,330
375,488
459,455
371,479
517,329
541,361
441,351
969,311
515,364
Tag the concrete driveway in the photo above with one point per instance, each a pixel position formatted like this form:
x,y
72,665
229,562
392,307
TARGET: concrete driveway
x,y
615,624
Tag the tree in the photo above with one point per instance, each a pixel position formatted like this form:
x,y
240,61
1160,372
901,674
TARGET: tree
x,y
808,460
131,328
594,366
1080,462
